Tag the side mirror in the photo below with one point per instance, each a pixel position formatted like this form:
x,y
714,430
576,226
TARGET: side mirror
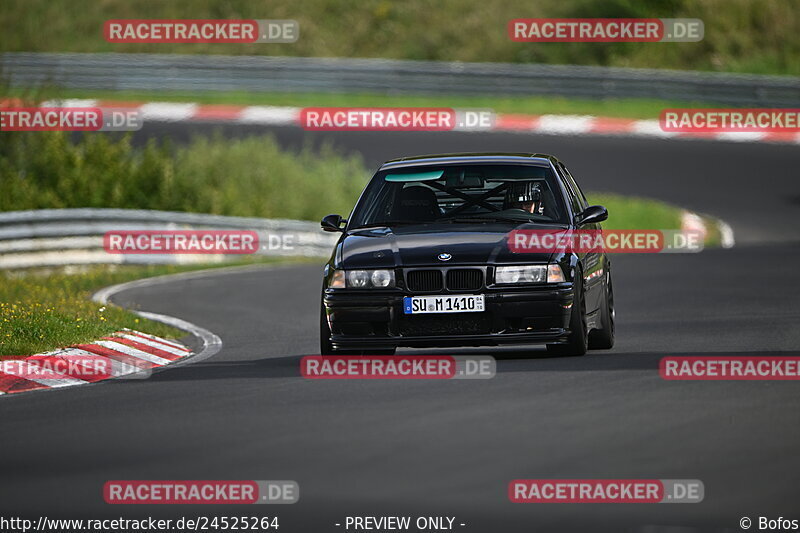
x,y
332,223
593,215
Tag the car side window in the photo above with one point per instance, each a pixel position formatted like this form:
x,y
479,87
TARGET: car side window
x,y
575,187
574,197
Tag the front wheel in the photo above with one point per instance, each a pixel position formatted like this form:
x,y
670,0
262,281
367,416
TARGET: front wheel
x,y
603,338
577,341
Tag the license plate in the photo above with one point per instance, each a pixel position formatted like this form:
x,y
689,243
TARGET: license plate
x,y
470,303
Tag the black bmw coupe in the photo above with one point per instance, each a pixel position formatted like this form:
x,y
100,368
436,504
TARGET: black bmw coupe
x,y
424,260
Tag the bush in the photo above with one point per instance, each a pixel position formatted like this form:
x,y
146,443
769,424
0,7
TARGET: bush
x,y
242,177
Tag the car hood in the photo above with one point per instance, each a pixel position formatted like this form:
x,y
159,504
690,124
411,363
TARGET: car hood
x,y
421,245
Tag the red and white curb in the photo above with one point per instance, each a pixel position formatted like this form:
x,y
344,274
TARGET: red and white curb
x,y
692,222
126,353
520,123
592,125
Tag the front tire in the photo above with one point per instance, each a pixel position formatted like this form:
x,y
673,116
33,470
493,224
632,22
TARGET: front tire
x,y
577,341
603,338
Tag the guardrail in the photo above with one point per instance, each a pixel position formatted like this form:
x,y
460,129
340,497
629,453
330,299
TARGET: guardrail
x,y
57,237
157,72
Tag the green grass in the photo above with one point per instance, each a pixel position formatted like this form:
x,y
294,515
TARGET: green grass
x,y
631,212
42,310
639,108
740,35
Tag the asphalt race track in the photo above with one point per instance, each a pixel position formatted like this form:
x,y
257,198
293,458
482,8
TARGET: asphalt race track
x,y
450,448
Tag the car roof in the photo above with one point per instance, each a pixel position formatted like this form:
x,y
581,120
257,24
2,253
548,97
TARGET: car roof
x,y
488,157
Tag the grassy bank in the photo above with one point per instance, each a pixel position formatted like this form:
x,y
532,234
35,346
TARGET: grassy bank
x,y
630,212
238,177
41,310
740,35
639,108
44,311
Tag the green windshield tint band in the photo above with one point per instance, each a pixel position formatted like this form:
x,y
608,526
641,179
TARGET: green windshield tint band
x,y
416,176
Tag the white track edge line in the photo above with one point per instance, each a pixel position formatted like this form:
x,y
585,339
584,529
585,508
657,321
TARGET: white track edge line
x,y
211,342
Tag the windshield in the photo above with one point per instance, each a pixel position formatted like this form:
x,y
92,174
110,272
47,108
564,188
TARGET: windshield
x,y
460,194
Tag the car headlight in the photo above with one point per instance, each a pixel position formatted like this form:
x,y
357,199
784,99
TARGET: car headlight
x,y
362,279
357,279
508,275
382,278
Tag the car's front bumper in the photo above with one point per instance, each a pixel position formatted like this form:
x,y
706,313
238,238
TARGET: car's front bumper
x,y
361,320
